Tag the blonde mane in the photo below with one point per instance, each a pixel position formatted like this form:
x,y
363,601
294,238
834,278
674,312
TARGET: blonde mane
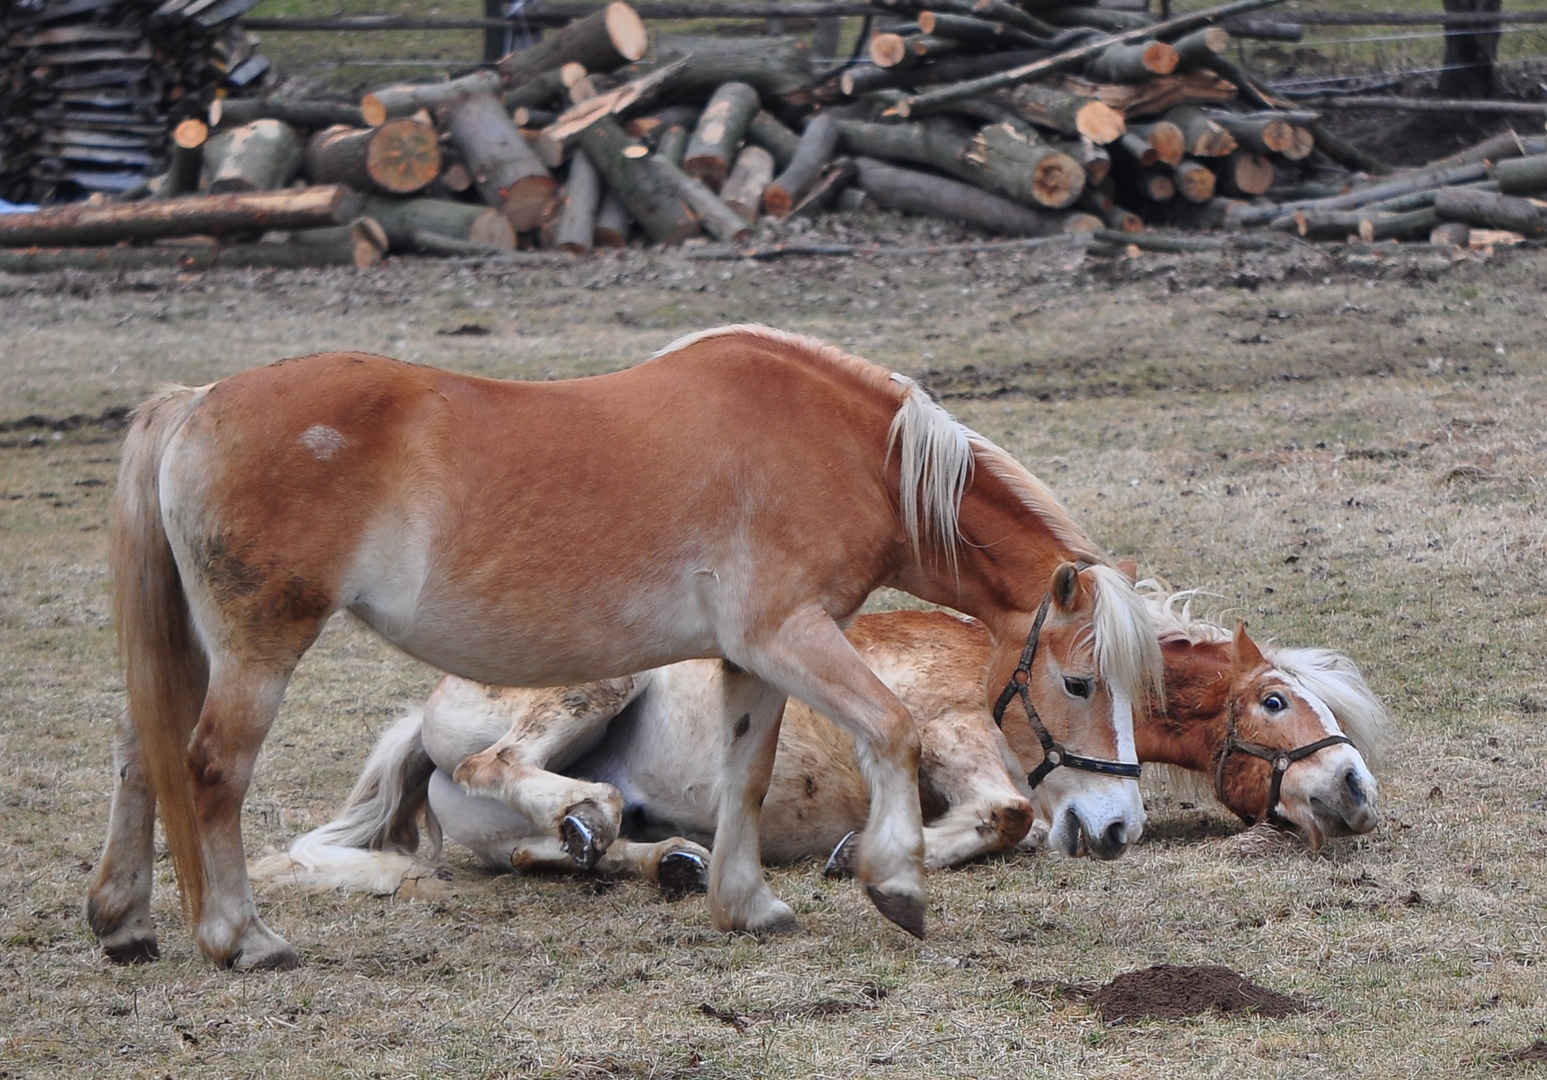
x,y
1324,673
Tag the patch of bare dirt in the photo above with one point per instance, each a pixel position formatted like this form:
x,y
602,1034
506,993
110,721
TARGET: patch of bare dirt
x,y
1535,1054
1171,992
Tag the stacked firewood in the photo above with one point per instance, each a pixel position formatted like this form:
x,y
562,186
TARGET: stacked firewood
x,y
1067,120
90,89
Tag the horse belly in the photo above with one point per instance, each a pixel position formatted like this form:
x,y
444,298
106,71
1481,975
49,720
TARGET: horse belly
x,y
664,753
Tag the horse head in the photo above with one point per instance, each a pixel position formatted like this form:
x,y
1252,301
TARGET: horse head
x,y
1296,719
1082,669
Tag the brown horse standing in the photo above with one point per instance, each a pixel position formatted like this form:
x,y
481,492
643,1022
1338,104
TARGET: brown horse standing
x,y
736,497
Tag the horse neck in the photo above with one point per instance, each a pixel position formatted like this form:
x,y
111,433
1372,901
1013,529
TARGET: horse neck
x,y
1191,730
1004,562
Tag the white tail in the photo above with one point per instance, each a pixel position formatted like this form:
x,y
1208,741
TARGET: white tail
x,y
369,846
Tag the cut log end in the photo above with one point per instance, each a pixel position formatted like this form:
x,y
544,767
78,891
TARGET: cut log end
x,y
1057,181
627,31
374,110
1100,123
529,202
403,157
1160,58
1194,182
191,134
888,50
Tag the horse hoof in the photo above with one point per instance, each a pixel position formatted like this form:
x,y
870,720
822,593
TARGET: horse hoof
x,y
578,838
680,873
135,950
906,911
840,864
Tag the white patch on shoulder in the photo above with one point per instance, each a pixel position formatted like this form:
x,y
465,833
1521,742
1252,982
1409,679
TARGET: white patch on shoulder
x,y
323,441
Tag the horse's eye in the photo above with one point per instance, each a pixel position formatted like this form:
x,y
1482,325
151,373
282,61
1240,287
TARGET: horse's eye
x,y
1275,702
1079,688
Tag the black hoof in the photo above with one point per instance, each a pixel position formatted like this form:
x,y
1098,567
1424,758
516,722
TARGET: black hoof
x,y
681,873
906,911
840,864
137,951
579,841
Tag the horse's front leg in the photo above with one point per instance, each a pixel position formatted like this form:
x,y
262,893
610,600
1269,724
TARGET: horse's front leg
x,y
811,659
739,897
118,902
585,817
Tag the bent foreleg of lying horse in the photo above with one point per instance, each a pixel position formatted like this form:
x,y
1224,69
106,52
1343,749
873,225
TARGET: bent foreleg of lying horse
x,y
543,728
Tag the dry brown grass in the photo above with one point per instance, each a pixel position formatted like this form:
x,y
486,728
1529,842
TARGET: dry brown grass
x,y
1313,466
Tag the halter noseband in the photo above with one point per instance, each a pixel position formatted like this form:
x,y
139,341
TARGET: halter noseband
x,y
1279,759
1053,754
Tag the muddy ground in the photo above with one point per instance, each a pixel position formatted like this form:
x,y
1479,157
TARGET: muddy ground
x,y
1344,448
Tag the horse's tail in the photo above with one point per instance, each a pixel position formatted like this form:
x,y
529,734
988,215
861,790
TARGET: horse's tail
x,y
368,846
165,666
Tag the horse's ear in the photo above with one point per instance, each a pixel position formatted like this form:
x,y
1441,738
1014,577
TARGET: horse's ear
x,y
1066,586
1244,653
1129,569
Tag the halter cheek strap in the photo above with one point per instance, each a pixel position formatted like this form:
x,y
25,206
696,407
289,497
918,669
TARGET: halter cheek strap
x,y
1053,754
1280,759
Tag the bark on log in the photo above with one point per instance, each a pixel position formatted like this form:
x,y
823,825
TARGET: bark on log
x,y
834,179
777,68
641,183
1492,211
612,222
1110,20
308,115
817,146
288,256
743,189
1264,134
1195,181
602,42
399,158
1158,95
1454,233
1405,227
187,160
766,131
362,243
528,116
1000,11
1094,159
1201,136
865,78
261,156
1198,48
1497,148
507,172
717,219
976,31
915,192
561,137
544,89
719,133
936,100
1521,176
1166,138
1245,173
1073,114
1133,62
1136,151
194,215
672,144
854,200
390,102
576,228
405,219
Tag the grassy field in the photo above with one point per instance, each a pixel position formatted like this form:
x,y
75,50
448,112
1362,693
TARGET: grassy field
x,y
1345,452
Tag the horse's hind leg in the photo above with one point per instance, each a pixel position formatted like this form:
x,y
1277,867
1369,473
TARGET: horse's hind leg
x,y
238,710
118,902
739,897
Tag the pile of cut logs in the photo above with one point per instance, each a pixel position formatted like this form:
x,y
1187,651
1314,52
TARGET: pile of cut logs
x,y
89,89
1022,118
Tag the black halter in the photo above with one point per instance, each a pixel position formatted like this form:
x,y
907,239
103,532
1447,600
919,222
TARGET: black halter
x,y
1280,760
1053,755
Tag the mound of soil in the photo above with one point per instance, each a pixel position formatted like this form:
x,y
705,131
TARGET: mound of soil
x,y
1535,1054
1169,992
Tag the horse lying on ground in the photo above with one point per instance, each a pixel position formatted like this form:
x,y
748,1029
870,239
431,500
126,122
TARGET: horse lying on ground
x,y
1274,734
738,496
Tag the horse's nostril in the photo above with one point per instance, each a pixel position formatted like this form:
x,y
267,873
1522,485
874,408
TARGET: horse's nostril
x,y
1355,788
1116,836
